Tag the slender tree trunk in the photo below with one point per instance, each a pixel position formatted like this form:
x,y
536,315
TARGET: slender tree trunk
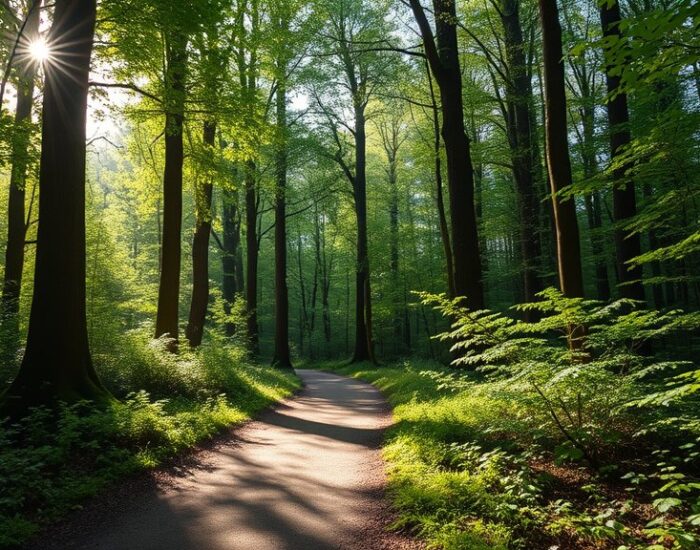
x,y
363,305
442,217
519,99
167,317
443,56
16,224
558,161
57,363
394,249
200,252
627,245
592,201
231,258
282,357
252,252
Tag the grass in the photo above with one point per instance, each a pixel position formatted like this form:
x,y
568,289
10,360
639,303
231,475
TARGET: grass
x,y
472,464
50,463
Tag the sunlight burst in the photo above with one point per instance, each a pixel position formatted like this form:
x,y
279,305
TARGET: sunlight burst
x,y
39,50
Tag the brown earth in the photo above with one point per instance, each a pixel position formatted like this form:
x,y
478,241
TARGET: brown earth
x,y
306,475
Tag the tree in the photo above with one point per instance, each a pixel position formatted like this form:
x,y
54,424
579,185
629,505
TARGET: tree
x,y
171,253
443,56
16,215
281,357
558,160
627,245
214,62
57,364
351,26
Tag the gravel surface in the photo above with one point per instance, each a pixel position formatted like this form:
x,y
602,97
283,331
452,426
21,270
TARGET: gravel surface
x,y
307,475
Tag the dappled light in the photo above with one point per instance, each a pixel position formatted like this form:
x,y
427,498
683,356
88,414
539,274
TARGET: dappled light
x,y
350,274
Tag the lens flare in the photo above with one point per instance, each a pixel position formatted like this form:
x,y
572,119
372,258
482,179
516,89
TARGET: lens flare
x,y
39,50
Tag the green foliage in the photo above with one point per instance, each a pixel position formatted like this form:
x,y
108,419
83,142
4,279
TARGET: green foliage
x,y
50,462
473,464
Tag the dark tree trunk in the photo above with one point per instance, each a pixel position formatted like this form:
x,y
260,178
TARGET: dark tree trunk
x,y
627,245
443,56
558,161
440,201
231,258
394,251
519,100
363,302
16,224
282,357
595,223
251,238
391,140
167,317
57,363
200,252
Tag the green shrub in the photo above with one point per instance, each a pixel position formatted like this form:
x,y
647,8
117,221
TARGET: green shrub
x,y
50,461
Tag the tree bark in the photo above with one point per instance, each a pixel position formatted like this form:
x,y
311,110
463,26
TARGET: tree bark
x,y
167,317
558,160
200,252
518,123
439,198
57,364
363,303
443,57
16,224
627,245
231,258
282,357
252,252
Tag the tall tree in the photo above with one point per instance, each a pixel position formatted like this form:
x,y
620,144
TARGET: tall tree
x,y
281,356
558,160
57,364
519,122
16,224
627,244
443,56
200,248
351,26
214,62
167,317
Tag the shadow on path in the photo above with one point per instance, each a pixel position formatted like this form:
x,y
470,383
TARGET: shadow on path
x,y
306,476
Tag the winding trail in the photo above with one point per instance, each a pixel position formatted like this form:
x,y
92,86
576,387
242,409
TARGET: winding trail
x,y
306,475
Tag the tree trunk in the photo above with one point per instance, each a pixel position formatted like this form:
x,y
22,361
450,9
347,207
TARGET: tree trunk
x,y
200,252
282,357
171,255
627,245
16,224
440,201
363,307
231,258
519,99
558,161
251,238
444,63
57,363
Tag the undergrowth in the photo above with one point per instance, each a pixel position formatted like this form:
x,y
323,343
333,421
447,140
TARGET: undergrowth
x,y
540,444
50,462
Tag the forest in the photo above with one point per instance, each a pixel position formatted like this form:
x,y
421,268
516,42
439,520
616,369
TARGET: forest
x,y
488,210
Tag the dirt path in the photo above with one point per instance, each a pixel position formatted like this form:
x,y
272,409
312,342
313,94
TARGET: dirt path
x,y
306,475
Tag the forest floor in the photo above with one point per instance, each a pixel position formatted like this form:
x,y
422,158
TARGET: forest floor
x,y
306,474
